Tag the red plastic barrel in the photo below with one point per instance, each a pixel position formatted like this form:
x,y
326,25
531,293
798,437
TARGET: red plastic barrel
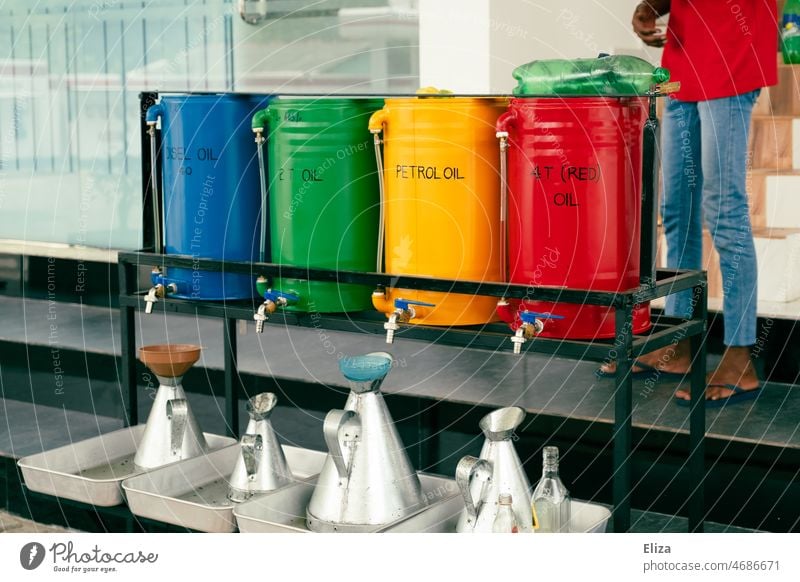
x,y
574,219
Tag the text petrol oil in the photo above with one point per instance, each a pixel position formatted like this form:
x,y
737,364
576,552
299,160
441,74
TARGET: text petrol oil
x,y
574,206
323,196
442,202
210,187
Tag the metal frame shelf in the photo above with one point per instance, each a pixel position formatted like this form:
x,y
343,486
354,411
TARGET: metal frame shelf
x,y
625,348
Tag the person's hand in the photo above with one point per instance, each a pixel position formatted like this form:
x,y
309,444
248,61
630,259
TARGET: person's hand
x,y
644,25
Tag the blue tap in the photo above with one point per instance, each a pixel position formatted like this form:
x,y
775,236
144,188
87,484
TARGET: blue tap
x,y
272,300
532,324
404,303
280,297
532,316
403,312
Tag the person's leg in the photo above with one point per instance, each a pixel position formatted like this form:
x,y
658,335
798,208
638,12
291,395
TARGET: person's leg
x,y
725,127
681,198
681,212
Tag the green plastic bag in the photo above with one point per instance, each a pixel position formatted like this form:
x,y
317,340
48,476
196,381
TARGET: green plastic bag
x,y
605,75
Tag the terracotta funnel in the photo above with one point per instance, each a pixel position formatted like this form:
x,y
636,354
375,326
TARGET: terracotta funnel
x,y
169,360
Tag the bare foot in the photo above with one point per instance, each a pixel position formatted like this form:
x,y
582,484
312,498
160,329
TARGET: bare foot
x,y
673,358
736,368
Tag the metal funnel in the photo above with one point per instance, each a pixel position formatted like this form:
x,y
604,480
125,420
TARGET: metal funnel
x,y
260,406
501,424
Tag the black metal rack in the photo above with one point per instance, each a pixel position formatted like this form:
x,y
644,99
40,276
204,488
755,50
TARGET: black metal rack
x,y
624,349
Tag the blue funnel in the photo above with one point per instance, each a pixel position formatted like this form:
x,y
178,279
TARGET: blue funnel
x,y
366,368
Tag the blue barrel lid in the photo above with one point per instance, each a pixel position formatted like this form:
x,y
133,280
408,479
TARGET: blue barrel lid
x,y
366,368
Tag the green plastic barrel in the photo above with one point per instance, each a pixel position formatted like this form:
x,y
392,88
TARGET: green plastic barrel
x,y
323,196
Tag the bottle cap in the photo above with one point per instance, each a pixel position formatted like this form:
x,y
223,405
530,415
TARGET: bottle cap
x,y
550,454
505,499
660,75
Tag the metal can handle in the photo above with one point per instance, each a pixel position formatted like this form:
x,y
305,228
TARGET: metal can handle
x,y
466,471
341,429
178,414
251,446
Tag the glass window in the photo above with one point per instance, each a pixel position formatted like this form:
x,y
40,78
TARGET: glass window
x,y
71,72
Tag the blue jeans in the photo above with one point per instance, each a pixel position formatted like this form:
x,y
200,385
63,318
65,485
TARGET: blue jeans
x,y
704,161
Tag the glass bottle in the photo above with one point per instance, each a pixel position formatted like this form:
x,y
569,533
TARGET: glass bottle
x,y
506,521
605,75
550,501
790,32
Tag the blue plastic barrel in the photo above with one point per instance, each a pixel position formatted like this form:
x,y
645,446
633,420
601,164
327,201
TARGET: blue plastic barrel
x,y
212,200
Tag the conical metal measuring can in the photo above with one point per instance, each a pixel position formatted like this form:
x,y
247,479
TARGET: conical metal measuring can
x,y
498,471
261,465
323,196
171,433
367,480
442,201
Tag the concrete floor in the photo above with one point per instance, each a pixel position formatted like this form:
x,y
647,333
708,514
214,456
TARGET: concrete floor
x,y
641,522
14,524
541,384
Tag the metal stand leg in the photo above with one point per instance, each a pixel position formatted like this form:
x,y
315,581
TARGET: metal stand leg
x,y
231,378
130,396
5,483
697,417
650,170
623,426
427,436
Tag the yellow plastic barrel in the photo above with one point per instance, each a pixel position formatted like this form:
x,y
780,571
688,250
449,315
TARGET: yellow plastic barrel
x,y
441,201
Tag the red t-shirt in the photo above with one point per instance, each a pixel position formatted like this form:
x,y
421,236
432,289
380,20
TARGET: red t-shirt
x,y
721,48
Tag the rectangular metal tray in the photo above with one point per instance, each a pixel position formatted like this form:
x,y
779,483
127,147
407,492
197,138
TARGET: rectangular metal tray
x,y
284,511
92,470
442,518
194,493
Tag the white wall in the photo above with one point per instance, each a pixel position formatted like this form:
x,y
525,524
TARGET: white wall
x,y
473,45
454,45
